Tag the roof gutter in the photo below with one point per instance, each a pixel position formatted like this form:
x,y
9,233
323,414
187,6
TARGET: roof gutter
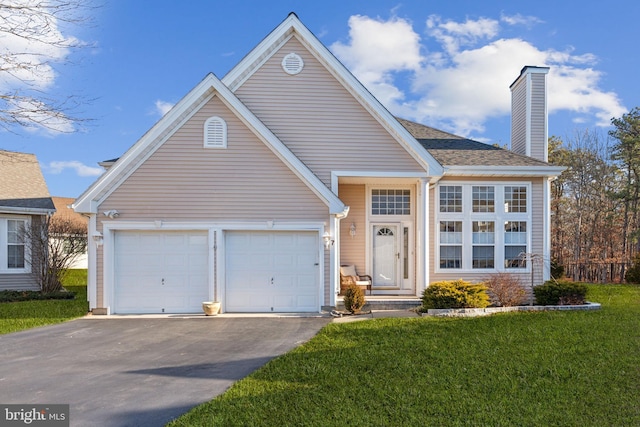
x,y
510,171
23,210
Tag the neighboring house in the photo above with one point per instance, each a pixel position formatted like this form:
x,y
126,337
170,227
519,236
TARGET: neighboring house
x,y
24,201
254,189
66,213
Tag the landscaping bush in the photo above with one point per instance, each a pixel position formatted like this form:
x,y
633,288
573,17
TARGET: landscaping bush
x,y
505,290
455,294
353,298
14,296
633,273
560,293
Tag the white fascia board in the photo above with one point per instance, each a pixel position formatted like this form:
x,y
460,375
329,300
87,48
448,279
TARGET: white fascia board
x,y
26,211
86,202
353,85
514,171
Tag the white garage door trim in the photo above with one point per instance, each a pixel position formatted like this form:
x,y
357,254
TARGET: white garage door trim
x,y
160,271
272,271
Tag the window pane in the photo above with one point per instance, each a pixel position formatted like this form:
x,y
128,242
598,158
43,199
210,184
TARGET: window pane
x,y
15,258
483,232
451,232
483,198
390,202
515,232
450,256
483,257
513,257
451,198
515,199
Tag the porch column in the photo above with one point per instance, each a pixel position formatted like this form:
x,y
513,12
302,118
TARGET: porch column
x,y
423,255
334,260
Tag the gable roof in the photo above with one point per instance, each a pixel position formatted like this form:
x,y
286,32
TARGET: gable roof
x,y
210,86
22,186
292,26
462,156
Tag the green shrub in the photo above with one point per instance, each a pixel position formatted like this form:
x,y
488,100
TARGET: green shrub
x,y
14,296
455,294
560,293
353,298
633,273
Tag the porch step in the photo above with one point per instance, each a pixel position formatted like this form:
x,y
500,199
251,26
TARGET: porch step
x,y
385,303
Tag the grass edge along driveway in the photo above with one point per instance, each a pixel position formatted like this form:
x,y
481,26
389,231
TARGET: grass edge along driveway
x,y
528,369
18,316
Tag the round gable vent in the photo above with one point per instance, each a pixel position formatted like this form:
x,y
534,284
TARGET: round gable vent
x,y
292,64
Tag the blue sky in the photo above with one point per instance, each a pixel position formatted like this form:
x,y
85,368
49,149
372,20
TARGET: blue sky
x,y
447,64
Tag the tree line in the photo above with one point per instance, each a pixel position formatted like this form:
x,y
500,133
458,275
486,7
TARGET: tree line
x,y
595,203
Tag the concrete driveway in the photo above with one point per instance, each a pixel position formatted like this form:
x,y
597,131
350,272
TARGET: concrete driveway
x,y
140,371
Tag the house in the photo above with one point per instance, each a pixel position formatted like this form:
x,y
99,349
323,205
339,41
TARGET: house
x,y
24,202
254,190
64,212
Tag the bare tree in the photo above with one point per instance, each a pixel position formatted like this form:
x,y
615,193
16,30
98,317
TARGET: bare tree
x,y
32,43
54,244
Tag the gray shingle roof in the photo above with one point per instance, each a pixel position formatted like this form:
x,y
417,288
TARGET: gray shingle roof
x,y
453,150
21,182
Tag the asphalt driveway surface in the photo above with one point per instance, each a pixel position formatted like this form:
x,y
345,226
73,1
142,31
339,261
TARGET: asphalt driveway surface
x,y
140,371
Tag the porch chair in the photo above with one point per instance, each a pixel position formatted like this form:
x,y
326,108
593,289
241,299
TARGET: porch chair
x,y
349,276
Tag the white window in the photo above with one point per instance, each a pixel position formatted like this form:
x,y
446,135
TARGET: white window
x,y
450,244
474,235
515,244
390,202
13,250
215,133
515,199
451,198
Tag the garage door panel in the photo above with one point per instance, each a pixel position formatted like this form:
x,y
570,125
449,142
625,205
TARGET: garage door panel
x,y
254,258
144,258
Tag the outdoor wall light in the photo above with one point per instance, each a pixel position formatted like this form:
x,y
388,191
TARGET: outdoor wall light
x,y
328,241
112,214
352,229
97,238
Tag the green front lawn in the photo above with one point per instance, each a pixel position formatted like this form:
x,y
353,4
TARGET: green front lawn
x,y
16,316
525,369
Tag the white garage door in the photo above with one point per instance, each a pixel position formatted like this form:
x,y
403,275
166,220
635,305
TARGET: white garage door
x,y
160,272
272,271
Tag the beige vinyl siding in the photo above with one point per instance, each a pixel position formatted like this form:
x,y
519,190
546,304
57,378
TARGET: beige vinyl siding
x,y
538,117
183,181
319,120
519,118
18,282
537,232
244,182
353,249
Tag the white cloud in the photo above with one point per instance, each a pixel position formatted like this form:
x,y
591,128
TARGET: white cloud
x,y
163,107
80,168
464,81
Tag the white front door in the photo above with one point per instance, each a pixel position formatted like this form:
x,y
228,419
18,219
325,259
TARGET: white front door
x,y
386,256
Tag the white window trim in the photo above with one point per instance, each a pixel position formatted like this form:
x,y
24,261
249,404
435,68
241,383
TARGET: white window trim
x,y
4,243
223,137
467,217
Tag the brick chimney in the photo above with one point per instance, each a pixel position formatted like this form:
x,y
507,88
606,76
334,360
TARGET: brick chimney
x,y
529,113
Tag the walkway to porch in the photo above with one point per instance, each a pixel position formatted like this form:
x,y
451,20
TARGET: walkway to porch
x,y
386,302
